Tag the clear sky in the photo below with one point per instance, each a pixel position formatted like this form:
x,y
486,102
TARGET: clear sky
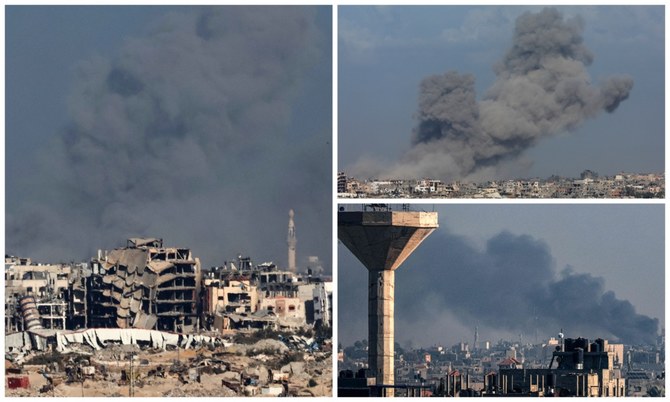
x,y
505,268
385,52
203,126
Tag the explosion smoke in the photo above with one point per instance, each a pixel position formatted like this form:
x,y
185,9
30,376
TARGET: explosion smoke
x,y
542,89
506,286
184,135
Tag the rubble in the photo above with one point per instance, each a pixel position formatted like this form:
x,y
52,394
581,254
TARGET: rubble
x,y
144,320
197,371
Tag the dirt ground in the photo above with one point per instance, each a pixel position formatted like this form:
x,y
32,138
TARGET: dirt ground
x,y
307,375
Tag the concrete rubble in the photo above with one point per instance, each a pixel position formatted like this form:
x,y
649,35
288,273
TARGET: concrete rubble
x,y
146,320
131,362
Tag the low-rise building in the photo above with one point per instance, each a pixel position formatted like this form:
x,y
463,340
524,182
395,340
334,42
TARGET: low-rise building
x,y
583,369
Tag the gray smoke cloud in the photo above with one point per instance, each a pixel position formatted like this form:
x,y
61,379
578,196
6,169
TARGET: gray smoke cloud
x,y
542,89
512,286
184,135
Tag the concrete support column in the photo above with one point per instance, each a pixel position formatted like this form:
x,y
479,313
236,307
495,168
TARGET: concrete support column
x,y
381,326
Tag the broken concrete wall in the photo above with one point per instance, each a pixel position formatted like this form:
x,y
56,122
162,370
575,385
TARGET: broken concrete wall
x,y
233,296
323,303
99,338
47,284
284,307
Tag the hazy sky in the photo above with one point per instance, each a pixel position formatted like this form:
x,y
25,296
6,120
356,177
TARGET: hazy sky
x,y
203,126
385,52
506,268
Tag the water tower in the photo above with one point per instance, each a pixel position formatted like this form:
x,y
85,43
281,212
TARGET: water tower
x,y
382,240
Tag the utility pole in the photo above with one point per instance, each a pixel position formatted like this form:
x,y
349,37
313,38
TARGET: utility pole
x,y
130,376
81,374
131,382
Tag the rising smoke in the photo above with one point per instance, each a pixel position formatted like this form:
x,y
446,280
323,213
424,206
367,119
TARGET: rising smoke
x,y
184,135
511,286
541,89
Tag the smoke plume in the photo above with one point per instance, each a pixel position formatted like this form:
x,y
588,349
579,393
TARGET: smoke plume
x,y
541,89
512,285
184,135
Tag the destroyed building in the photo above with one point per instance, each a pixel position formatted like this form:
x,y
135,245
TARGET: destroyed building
x,y
235,295
241,295
147,314
145,285
50,293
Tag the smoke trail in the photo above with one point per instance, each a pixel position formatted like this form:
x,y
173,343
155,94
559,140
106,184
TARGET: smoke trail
x,y
183,135
512,285
542,89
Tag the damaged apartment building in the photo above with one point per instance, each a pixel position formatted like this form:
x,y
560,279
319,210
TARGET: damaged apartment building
x,y
48,296
241,295
146,285
143,285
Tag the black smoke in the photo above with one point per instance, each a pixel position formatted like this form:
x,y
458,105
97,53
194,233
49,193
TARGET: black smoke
x,y
184,134
512,285
542,89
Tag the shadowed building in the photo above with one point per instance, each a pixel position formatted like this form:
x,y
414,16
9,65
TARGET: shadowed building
x,y
578,368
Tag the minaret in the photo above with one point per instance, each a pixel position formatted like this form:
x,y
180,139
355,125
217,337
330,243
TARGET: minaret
x,y
290,240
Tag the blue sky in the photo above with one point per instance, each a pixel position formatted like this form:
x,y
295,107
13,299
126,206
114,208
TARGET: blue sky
x,y
385,51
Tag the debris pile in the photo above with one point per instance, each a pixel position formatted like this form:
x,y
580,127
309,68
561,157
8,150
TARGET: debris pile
x,y
291,365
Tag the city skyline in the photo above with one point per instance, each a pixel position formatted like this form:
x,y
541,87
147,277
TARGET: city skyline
x,y
610,255
385,52
138,121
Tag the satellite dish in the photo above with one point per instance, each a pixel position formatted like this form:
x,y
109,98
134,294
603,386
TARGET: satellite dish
x,y
560,335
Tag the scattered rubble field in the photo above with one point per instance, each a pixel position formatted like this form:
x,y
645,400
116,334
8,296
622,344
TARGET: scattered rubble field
x,y
268,367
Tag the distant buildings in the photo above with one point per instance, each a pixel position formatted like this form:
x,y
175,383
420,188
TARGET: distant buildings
x,y
577,368
555,367
589,185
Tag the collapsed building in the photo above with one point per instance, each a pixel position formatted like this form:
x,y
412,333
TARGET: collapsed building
x,y
150,304
145,285
43,295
